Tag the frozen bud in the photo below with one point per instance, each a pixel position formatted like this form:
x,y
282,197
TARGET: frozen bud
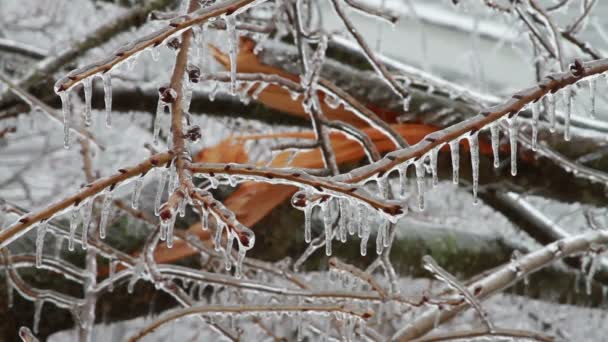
x,y
167,94
477,290
166,213
174,44
299,200
246,237
194,73
193,134
577,69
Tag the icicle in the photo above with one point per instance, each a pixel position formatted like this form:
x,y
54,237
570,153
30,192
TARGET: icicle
x,y
181,209
342,209
107,90
495,137
139,183
364,237
592,269
353,221
592,91
455,152
86,220
535,115
433,157
228,249
386,240
474,148
363,221
232,49
513,130
37,311
406,103
73,226
327,222
218,236
88,90
66,109
569,94
379,239
160,110
105,213
111,273
238,272
204,219
299,327
402,169
163,231
308,222
159,191
40,233
551,111
169,229
420,172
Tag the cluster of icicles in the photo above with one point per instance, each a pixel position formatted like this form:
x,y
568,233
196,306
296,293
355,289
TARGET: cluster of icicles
x,y
87,83
225,221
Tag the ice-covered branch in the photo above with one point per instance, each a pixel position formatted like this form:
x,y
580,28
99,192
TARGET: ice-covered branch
x,y
300,179
503,278
35,104
247,310
379,67
27,222
175,27
509,108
